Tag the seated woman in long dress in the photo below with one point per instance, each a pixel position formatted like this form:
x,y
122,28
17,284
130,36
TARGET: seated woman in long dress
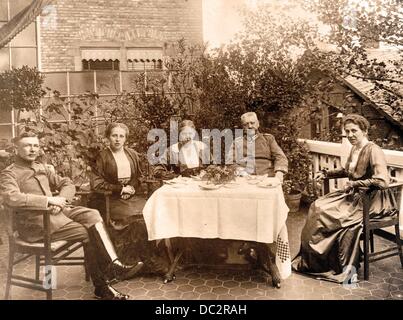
x,y
330,240
185,157
118,170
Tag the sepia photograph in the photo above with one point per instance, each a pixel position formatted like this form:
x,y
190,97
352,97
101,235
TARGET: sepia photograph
x,y
210,152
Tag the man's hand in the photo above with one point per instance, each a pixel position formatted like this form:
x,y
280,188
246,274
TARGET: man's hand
x,y
280,176
56,204
57,201
55,209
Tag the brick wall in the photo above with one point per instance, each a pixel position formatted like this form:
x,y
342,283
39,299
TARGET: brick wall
x,y
72,24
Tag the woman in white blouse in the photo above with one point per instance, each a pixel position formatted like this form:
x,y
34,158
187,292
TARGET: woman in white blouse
x,y
186,157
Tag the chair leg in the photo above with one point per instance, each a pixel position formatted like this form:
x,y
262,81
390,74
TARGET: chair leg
x,y
366,254
86,267
48,280
372,241
9,273
399,243
37,266
49,294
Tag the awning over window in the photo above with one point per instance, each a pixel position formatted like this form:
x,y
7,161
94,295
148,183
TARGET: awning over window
x,y
100,54
141,54
21,20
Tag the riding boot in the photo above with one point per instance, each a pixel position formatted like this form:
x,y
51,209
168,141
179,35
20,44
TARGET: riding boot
x,y
103,289
107,292
105,249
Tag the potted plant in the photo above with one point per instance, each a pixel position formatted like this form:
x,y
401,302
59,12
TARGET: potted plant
x,y
295,182
311,191
286,129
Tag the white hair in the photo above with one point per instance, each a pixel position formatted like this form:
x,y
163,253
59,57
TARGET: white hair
x,y
249,115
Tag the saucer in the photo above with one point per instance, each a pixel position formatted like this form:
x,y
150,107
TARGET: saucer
x,y
209,186
231,185
178,185
267,185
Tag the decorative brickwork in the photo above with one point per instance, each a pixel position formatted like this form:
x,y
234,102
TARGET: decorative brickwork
x,y
70,25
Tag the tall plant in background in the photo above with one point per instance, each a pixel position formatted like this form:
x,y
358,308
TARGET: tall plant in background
x,y
356,30
21,90
264,69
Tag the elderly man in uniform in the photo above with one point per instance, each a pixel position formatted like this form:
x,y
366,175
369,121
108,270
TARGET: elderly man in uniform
x,y
257,153
29,184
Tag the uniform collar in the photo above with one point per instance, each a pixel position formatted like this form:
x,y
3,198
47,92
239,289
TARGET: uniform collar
x,y
253,138
27,164
23,163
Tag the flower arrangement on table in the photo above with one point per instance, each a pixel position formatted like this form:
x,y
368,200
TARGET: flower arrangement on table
x,y
215,174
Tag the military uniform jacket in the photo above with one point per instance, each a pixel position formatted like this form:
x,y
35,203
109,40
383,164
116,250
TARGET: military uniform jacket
x,y
25,186
259,155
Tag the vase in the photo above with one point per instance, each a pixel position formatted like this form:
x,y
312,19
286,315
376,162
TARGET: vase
x,y
293,201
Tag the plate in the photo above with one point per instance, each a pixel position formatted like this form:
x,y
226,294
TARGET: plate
x,y
253,181
232,185
184,179
196,178
267,185
178,180
169,182
209,186
178,185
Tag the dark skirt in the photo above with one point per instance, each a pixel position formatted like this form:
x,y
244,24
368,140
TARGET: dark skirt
x,y
132,245
129,234
330,239
121,209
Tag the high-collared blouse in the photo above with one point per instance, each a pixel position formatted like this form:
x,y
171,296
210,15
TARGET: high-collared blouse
x,y
105,177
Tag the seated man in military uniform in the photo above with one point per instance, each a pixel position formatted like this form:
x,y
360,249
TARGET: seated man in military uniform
x,y
257,153
28,184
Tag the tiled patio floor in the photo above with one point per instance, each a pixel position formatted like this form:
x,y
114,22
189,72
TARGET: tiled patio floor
x,y
386,281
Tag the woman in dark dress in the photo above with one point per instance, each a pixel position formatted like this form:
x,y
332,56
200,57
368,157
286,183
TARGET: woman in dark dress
x,y
330,248
118,170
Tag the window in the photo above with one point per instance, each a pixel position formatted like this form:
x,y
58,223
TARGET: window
x,y
21,50
17,5
100,58
101,65
144,64
3,10
4,59
144,59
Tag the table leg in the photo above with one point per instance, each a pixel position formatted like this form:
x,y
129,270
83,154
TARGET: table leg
x,y
170,275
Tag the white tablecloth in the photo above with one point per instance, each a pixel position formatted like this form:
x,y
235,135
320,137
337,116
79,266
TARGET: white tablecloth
x,y
246,212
